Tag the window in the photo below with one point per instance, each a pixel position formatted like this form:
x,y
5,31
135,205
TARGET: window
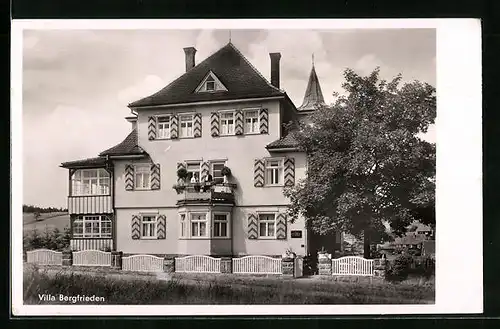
x,y
148,226
221,223
194,169
90,182
92,227
274,172
210,84
216,171
186,122
164,127
227,123
251,121
266,225
183,225
142,177
198,225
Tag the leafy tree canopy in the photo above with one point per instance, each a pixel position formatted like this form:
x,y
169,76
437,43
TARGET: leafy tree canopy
x,y
367,164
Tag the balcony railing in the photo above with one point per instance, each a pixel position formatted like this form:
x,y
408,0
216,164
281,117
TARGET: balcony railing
x,y
90,204
200,192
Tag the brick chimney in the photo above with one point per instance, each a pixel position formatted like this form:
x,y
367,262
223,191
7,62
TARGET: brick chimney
x,y
275,69
189,52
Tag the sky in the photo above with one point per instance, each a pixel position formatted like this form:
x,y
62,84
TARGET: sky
x,y
77,83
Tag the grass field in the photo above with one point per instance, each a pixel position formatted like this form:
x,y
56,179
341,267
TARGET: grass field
x,y
51,220
129,288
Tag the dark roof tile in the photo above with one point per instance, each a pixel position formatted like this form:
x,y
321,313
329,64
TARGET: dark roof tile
x,y
230,66
85,163
129,146
285,142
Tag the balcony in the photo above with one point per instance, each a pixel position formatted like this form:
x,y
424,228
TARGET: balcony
x,y
192,193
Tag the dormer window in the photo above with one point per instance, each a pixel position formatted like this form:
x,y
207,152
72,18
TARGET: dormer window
x,y
210,84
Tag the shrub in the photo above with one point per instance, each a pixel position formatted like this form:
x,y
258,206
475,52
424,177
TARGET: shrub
x,y
182,173
52,239
225,171
399,269
426,267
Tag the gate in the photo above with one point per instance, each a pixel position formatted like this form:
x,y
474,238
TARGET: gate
x,y
197,264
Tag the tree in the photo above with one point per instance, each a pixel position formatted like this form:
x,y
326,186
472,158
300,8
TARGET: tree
x,y
367,164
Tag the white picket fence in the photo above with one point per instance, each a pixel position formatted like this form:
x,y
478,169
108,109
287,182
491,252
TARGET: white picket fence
x,y
44,257
91,258
197,264
142,263
257,265
352,265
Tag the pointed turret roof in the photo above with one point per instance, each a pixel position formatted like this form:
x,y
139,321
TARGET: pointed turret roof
x,y
313,96
228,64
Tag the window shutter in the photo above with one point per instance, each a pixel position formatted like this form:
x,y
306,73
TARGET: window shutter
x,y
252,232
205,170
136,227
238,123
289,171
258,173
264,121
214,124
179,166
152,128
155,176
197,125
129,177
281,226
161,227
174,126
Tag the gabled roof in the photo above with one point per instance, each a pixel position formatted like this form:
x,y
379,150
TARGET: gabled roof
x,y
129,146
313,96
85,163
233,70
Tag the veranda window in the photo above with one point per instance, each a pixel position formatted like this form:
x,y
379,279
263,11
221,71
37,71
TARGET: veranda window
x,y
274,172
142,177
186,123
221,226
267,225
251,121
148,226
227,123
92,227
90,182
198,225
164,127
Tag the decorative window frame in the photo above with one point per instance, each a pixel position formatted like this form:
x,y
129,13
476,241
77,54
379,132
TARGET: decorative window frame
x,y
207,224
155,228
228,225
83,219
98,177
144,165
221,113
218,85
180,115
282,166
158,136
260,213
244,111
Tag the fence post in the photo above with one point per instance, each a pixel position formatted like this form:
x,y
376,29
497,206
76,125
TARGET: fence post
x,y
67,258
169,264
226,265
116,260
287,266
325,265
379,267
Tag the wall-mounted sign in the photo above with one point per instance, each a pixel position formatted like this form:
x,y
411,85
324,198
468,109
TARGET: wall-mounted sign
x,y
296,234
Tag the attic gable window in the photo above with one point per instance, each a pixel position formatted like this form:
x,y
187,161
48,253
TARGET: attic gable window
x,y
210,84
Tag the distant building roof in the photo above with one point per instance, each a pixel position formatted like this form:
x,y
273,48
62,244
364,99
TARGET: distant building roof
x,y
409,239
85,163
313,96
235,72
129,146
